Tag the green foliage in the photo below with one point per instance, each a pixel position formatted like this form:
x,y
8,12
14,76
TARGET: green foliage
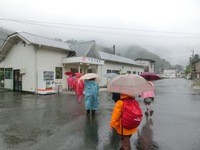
x,y
188,69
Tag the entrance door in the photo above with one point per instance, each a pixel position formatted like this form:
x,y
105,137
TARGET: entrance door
x,y
1,77
17,81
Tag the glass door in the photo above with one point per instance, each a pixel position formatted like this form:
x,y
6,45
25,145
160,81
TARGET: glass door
x,y
17,81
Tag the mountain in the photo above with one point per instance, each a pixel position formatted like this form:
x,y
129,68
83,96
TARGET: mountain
x,y
3,35
135,51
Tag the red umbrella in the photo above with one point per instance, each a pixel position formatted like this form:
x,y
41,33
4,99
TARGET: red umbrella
x,y
150,76
69,73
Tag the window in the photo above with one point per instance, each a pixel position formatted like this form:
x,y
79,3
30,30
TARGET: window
x,y
74,70
108,71
129,72
58,72
116,71
134,72
8,73
89,70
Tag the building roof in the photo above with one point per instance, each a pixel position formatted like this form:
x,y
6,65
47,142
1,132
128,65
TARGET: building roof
x,y
84,49
196,61
42,41
116,58
31,39
144,59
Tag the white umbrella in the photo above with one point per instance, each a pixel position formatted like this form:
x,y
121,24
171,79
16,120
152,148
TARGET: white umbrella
x,y
130,84
88,76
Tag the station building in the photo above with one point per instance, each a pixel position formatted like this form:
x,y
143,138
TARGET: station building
x,y
36,64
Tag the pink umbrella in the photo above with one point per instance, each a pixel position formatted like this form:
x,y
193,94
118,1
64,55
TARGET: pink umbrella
x,y
130,84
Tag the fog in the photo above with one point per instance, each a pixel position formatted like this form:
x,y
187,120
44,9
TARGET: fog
x,y
169,28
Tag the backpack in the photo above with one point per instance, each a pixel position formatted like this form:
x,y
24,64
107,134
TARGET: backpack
x,y
131,114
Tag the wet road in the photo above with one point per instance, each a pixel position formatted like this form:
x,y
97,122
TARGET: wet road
x,y
58,122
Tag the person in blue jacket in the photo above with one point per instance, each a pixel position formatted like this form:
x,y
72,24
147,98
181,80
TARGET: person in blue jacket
x,y
91,96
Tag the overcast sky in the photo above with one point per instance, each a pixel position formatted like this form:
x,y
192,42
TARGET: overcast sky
x,y
170,28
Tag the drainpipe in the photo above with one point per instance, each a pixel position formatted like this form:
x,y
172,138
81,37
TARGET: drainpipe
x,y
36,71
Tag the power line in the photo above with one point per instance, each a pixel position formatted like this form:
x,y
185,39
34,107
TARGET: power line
x,y
13,16
52,24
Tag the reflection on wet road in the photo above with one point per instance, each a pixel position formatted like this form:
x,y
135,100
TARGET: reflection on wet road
x,y
145,136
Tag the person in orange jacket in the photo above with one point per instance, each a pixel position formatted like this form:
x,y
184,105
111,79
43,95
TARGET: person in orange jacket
x,y
125,134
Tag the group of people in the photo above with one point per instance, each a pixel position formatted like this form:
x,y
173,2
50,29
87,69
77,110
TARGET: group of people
x,y
91,91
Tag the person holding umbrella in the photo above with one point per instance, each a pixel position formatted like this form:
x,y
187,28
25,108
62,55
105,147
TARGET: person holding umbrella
x,y
148,97
91,88
116,123
91,96
129,86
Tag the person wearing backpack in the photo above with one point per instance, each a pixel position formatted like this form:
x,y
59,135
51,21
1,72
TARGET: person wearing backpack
x,y
148,97
126,127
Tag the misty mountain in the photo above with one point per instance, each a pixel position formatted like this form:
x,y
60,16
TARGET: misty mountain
x,y
3,35
135,51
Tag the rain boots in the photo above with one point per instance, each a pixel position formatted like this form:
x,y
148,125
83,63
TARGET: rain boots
x,y
88,112
93,113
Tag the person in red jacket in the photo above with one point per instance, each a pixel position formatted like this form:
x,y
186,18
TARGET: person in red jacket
x,y
78,86
69,82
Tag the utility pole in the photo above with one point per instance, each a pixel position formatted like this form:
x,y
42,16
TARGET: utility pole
x,y
192,54
113,49
192,65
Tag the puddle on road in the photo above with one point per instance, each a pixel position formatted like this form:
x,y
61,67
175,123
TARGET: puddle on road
x,y
19,134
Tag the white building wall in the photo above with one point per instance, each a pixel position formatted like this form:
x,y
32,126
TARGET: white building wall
x,y
170,73
48,60
123,68
147,63
21,56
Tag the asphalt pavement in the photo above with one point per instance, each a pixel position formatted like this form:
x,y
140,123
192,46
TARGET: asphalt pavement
x,y
58,122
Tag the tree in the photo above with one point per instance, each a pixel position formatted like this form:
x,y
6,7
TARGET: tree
x,y
188,69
